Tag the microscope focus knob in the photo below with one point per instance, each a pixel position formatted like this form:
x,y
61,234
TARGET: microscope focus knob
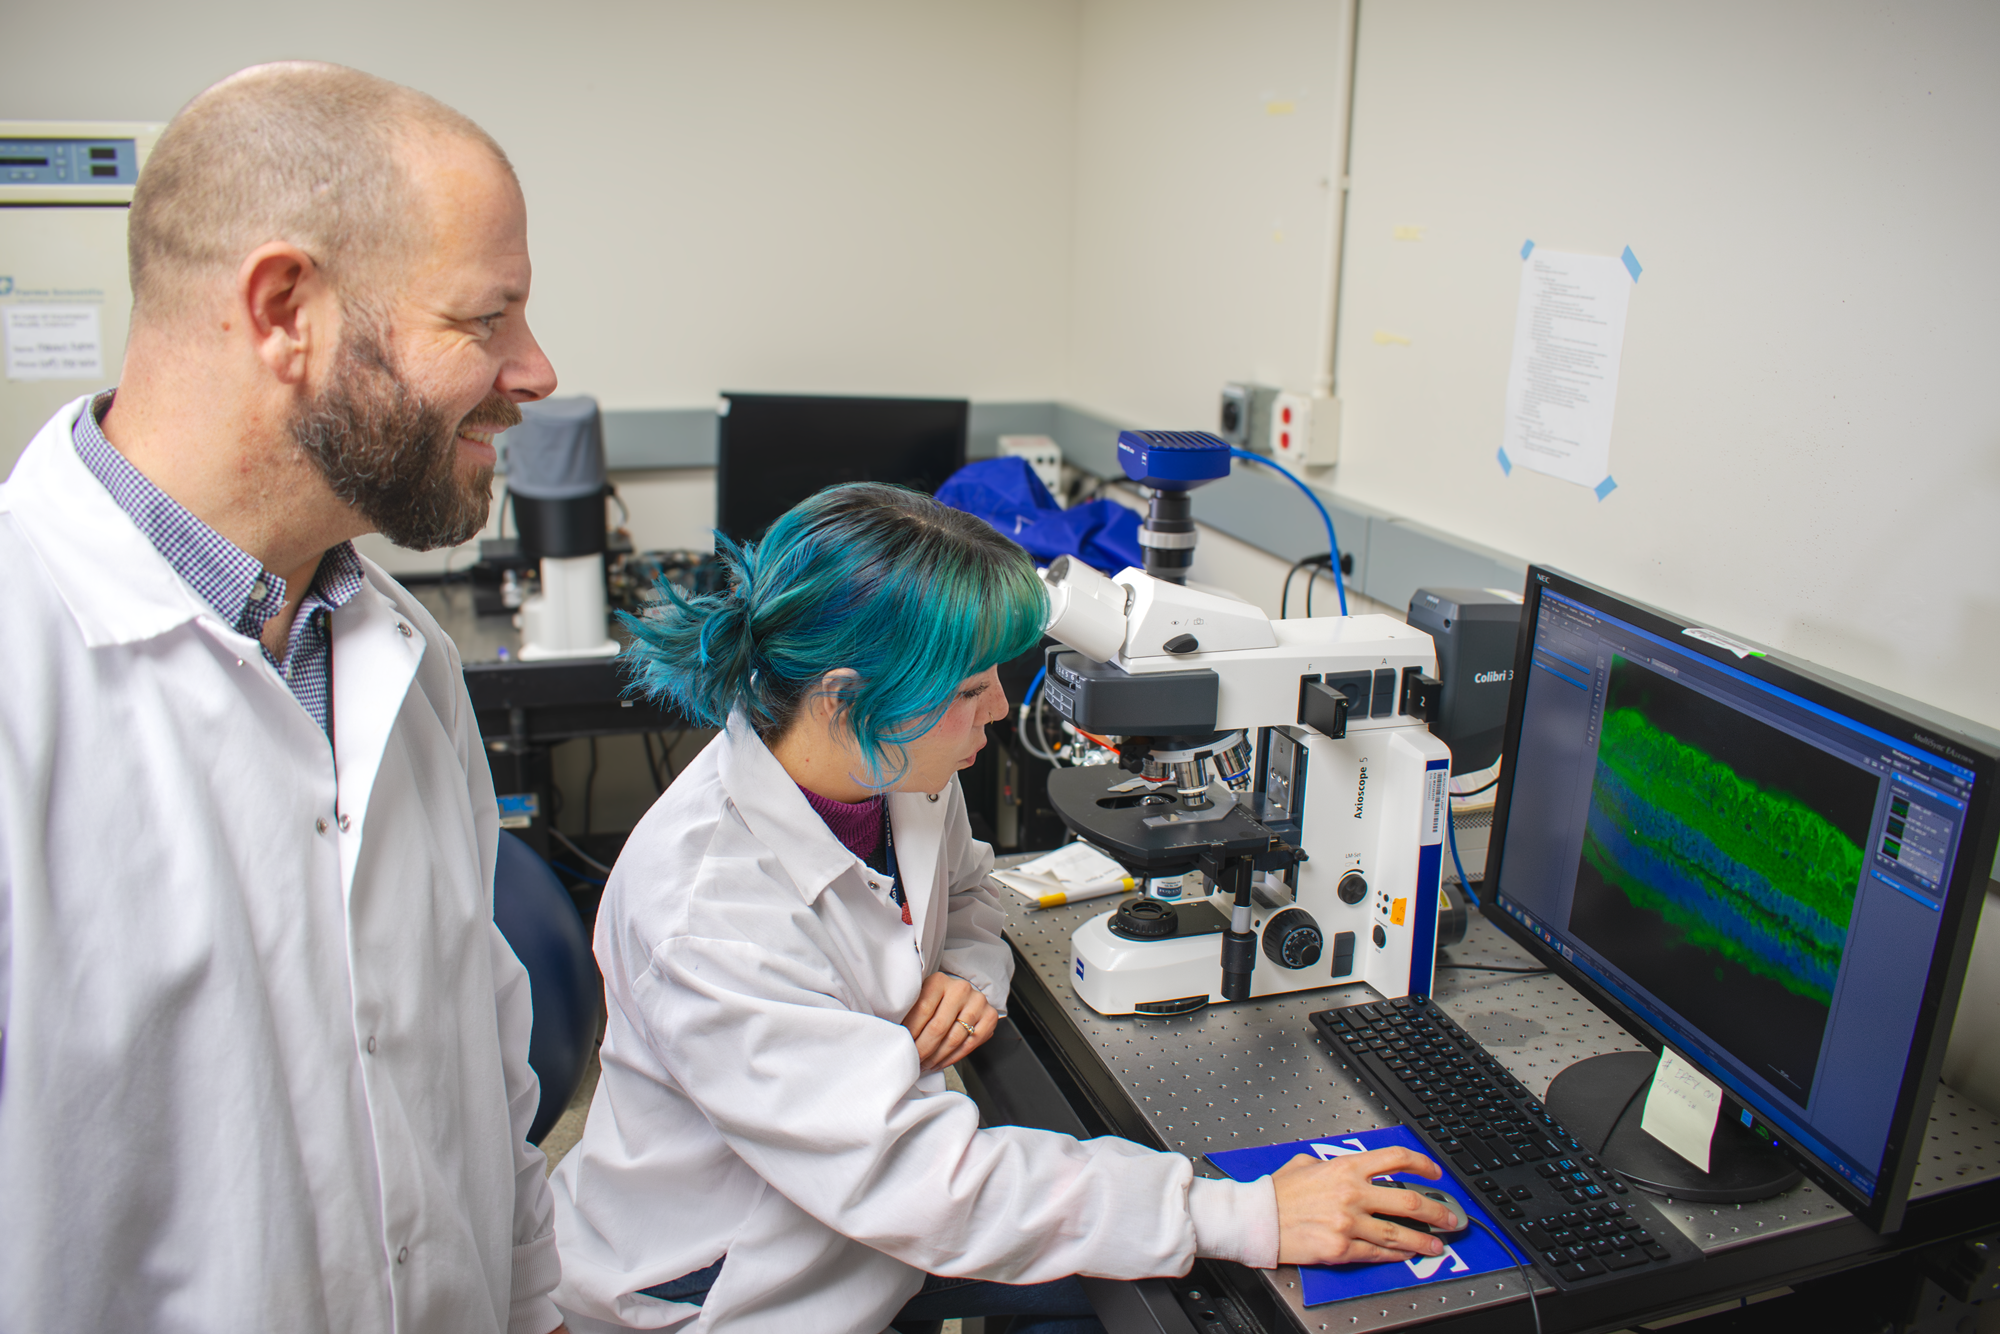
x,y
1292,939
1353,887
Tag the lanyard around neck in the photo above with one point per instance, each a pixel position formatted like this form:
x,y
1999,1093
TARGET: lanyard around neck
x,y
896,894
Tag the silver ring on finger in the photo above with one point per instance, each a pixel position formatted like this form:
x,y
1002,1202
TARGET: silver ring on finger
x,y
970,1031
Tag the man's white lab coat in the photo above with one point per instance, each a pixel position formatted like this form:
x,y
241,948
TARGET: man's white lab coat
x,y
264,1062
761,1098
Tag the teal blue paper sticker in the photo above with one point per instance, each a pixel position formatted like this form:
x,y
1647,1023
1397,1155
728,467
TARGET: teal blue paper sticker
x,y
1527,248
1631,263
1506,464
1605,488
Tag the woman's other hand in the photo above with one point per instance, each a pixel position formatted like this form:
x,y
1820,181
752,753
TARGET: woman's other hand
x,y
1326,1209
950,1018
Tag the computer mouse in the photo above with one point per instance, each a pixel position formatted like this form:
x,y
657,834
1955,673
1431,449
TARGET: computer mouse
x,y
1459,1222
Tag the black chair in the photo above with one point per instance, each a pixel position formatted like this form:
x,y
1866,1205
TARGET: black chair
x,y
535,913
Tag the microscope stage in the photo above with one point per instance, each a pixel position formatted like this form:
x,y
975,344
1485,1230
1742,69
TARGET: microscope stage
x,y
1151,832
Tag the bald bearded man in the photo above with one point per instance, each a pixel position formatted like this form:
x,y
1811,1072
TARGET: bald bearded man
x,y
264,1056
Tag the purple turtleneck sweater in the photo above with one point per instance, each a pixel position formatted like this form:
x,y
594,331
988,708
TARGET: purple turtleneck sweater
x,y
857,824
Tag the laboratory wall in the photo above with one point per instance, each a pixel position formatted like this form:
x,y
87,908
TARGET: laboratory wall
x,y
1806,446
1207,202
868,197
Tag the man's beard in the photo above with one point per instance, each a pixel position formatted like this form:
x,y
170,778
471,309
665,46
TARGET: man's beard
x,y
393,456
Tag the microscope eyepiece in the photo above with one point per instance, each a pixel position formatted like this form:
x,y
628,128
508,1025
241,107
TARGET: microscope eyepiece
x,y
1086,610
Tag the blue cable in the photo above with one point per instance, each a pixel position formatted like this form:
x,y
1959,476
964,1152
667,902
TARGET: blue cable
x,y
1035,685
1452,834
1332,542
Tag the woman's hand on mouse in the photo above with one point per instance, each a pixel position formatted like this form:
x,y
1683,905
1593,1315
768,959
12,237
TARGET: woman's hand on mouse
x,y
1327,1208
951,1018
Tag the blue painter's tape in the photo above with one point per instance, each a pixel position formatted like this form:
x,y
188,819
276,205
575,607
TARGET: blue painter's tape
x,y
1506,464
1527,248
1605,488
1631,263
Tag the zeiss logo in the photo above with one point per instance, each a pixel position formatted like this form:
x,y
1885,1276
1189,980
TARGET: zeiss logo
x,y
1488,678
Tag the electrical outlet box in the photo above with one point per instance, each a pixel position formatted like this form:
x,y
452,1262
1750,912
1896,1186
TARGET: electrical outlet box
x,y
1043,455
1246,414
1304,431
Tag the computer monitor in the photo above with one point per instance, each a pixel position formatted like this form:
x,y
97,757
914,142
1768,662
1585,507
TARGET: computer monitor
x,y
774,450
1771,869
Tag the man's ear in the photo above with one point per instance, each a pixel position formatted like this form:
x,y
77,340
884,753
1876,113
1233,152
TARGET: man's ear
x,y
289,309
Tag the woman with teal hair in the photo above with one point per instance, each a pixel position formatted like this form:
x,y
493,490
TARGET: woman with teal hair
x,y
799,937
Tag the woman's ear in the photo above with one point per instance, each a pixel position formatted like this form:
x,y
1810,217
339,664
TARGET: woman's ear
x,y
835,689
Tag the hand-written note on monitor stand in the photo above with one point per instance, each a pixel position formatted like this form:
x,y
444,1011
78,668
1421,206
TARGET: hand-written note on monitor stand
x,y
1681,1108
1569,330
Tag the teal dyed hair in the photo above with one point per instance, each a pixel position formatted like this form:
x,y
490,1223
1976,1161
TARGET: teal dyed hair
x,y
910,595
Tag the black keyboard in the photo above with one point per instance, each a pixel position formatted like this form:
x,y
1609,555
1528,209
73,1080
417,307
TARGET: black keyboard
x,y
1581,1225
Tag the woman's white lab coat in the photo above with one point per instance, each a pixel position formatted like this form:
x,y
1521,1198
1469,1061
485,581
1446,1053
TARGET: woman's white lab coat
x,y
761,1099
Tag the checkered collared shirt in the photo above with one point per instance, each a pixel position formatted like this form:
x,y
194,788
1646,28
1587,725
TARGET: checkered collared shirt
x,y
243,592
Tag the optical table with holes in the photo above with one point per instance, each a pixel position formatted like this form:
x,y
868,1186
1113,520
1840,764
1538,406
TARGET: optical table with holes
x,y
1232,1076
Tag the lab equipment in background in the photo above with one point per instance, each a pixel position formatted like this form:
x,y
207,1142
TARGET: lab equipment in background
x,y
1474,630
1170,464
65,293
1774,870
774,450
503,576
635,578
1041,453
556,488
1289,762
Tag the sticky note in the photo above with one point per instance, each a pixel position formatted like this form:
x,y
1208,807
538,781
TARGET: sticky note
x,y
1383,338
1408,231
1681,1108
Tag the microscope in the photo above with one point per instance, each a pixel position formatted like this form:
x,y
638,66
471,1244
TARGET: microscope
x,y
1290,762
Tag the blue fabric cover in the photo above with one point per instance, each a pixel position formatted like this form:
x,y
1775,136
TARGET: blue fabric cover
x,y
1006,493
541,923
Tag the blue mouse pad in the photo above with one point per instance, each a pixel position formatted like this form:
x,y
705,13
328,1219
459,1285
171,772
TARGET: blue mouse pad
x,y
1473,1251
